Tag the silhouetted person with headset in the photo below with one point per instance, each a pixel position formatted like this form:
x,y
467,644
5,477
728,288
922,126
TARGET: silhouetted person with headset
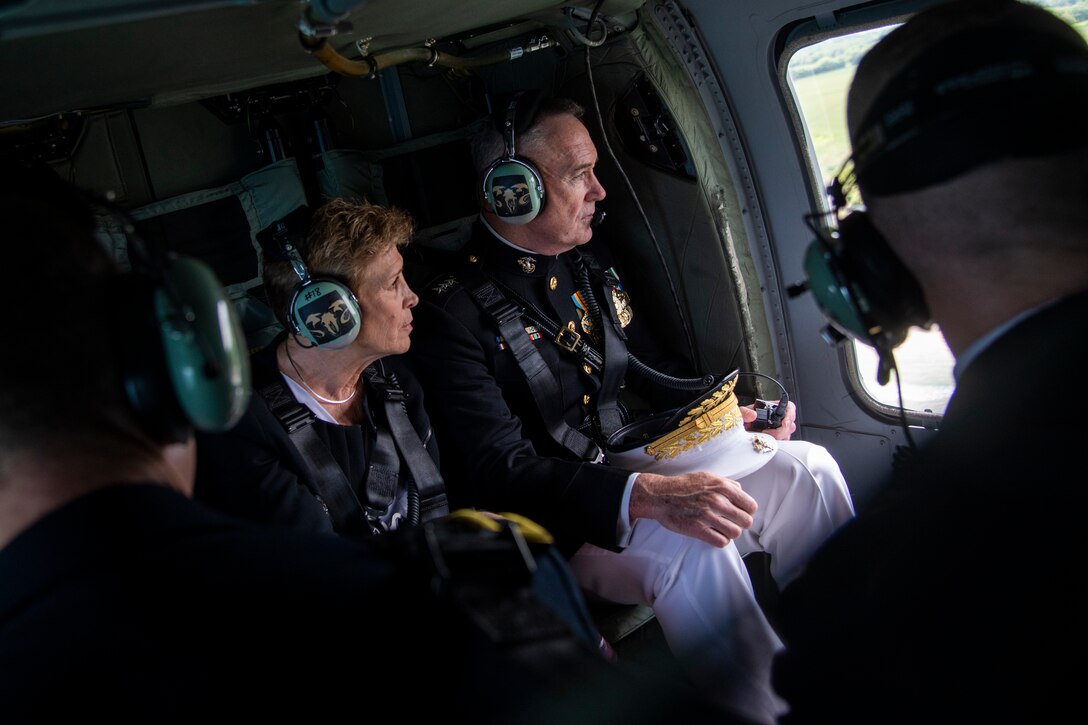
x,y
954,598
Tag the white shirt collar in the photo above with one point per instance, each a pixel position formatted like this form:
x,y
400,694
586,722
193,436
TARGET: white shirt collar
x,y
303,396
506,241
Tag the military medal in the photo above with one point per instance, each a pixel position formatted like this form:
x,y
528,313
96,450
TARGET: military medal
x,y
584,317
621,300
622,303
761,446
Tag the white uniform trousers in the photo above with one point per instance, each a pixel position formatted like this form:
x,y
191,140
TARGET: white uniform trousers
x,y
702,596
802,499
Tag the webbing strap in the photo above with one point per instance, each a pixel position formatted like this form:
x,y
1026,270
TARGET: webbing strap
x,y
609,415
540,378
343,505
424,472
382,473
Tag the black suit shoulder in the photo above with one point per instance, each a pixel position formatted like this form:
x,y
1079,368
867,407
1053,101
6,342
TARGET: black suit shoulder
x,y
962,565
138,602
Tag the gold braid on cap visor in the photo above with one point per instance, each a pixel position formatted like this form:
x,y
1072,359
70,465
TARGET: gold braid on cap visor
x,y
717,413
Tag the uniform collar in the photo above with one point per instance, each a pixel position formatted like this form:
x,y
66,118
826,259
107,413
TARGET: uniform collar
x,y
505,257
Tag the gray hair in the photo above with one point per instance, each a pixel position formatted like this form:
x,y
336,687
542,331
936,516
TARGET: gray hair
x,y
488,144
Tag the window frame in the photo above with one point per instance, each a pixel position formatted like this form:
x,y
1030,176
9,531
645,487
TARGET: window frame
x,y
793,38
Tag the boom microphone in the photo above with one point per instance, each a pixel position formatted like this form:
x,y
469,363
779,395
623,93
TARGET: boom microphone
x,y
598,217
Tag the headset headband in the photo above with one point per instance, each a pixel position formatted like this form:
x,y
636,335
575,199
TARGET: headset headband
x,y
321,310
512,187
508,130
978,96
296,262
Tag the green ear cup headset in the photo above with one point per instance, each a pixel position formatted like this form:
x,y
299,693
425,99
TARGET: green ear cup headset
x,y
981,95
323,311
183,355
513,189
860,285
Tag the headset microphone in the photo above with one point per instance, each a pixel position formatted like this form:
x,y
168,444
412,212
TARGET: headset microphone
x,y
598,217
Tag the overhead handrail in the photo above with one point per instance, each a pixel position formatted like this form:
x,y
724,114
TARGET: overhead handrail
x,y
322,19
372,64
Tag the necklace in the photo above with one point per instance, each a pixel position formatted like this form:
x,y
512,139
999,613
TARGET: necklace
x,y
311,391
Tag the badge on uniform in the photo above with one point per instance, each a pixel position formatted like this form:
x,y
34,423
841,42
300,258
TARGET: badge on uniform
x,y
444,285
621,301
584,318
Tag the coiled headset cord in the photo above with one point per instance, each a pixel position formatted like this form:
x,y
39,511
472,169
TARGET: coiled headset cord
x,y
633,363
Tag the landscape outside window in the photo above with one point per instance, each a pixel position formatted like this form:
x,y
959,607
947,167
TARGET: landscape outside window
x,y
819,77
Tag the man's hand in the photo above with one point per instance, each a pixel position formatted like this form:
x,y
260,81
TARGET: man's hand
x,y
700,505
786,428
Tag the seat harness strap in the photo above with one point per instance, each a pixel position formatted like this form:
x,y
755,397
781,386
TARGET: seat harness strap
x,y
424,473
383,468
540,378
343,505
609,415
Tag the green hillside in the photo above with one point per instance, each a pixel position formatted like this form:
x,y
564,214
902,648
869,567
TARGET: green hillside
x,y
821,75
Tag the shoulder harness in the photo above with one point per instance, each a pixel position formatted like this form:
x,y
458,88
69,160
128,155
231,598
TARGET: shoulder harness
x,y
426,489
508,314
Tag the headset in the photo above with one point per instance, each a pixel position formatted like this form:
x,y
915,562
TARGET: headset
x,y
322,310
177,343
512,187
183,356
859,283
933,122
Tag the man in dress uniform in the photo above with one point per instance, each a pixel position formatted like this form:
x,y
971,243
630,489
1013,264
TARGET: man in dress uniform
x,y
521,348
